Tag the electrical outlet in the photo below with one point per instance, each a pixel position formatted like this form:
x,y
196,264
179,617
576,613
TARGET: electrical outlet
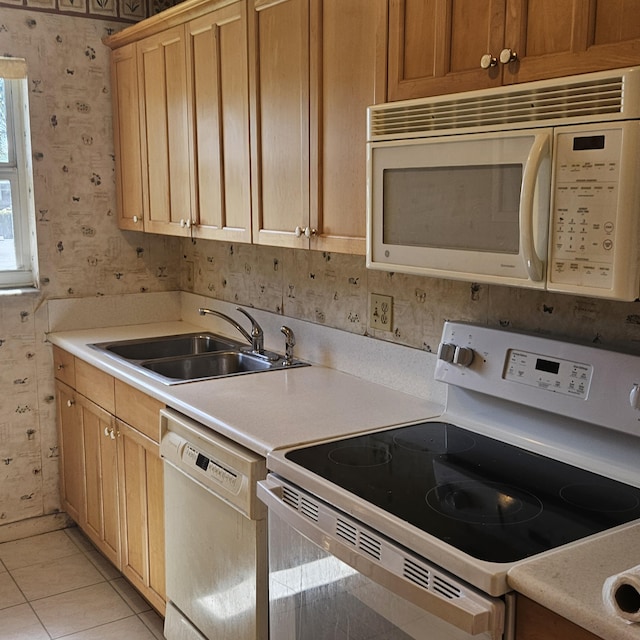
x,y
380,312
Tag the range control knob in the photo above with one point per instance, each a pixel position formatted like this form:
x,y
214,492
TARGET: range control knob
x,y
446,351
463,356
634,397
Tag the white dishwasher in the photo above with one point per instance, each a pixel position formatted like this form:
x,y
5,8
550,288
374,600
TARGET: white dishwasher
x,y
215,535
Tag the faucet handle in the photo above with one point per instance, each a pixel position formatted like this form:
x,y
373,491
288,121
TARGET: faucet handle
x,y
257,335
290,341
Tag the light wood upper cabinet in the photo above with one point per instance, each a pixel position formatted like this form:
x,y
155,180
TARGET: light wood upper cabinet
x,y
279,72
162,83
218,88
181,97
554,39
437,46
126,138
348,73
315,65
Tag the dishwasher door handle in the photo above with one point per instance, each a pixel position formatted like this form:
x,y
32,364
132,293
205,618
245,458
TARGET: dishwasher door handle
x,y
462,606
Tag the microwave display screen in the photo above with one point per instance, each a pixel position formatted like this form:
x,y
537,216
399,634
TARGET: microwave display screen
x,y
469,207
588,143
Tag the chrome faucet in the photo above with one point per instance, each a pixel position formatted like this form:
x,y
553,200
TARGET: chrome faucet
x,y
255,338
290,342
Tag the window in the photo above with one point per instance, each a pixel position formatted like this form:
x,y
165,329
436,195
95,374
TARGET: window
x,y
18,256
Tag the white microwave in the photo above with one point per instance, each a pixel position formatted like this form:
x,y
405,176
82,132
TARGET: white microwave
x,y
533,185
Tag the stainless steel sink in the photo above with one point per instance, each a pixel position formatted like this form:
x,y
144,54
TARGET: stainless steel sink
x,y
211,365
167,346
189,357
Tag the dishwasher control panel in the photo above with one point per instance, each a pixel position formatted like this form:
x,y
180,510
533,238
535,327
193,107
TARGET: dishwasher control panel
x,y
212,469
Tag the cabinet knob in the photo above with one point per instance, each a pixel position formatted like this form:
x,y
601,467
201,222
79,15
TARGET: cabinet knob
x,y
135,219
60,367
487,61
307,232
70,403
507,56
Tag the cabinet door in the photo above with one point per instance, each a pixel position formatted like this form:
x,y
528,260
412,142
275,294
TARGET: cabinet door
x,y
436,46
348,49
279,82
71,446
218,85
166,156
101,520
534,621
142,509
126,137
554,39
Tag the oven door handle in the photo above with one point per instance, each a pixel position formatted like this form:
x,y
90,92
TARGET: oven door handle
x,y
448,599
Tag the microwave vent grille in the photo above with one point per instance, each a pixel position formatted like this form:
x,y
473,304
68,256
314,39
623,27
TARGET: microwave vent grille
x,y
538,103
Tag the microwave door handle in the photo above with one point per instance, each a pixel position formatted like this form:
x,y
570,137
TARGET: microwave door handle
x,y
539,150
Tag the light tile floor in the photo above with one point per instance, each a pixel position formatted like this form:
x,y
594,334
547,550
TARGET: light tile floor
x,y
56,585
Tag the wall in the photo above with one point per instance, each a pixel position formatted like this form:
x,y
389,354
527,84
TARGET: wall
x,y
82,253
332,289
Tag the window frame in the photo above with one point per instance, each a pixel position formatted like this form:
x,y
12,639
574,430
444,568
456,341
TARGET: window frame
x,y
19,173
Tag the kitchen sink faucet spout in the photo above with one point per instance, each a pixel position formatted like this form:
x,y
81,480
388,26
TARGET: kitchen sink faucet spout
x,y
255,339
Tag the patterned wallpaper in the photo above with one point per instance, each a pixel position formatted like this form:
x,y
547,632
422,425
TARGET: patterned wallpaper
x,y
121,10
333,289
81,251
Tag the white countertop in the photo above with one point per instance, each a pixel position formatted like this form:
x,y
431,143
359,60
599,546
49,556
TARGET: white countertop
x,y
569,581
261,411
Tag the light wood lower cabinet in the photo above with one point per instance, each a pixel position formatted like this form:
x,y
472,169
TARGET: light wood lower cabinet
x,y
141,483
111,476
533,622
71,448
101,519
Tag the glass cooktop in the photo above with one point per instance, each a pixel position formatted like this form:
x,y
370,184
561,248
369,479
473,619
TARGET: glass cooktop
x,y
492,500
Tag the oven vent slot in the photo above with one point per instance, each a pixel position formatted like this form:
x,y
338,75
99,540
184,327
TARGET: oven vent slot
x,y
445,588
300,503
417,574
358,538
588,98
430,580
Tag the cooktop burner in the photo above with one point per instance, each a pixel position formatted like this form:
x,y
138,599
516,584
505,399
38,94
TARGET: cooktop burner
x,y
492,500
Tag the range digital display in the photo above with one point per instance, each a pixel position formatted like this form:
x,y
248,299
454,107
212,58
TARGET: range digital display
x,y
548,366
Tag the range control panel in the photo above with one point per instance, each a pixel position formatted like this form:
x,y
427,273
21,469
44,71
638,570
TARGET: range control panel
x,y
548,373
579,381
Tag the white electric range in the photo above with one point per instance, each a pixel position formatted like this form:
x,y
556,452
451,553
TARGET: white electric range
x,y
414,528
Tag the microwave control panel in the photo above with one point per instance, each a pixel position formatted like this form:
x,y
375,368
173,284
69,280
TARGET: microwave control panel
x,y
583,234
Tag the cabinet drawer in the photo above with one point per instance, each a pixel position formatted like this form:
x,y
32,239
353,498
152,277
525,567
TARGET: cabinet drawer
x,y
138,410
96,385
64,366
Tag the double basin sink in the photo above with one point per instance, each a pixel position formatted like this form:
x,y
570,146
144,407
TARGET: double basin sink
x,y
193,356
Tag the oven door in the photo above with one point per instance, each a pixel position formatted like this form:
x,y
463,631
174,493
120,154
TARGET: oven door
x,y
471,207
331,577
